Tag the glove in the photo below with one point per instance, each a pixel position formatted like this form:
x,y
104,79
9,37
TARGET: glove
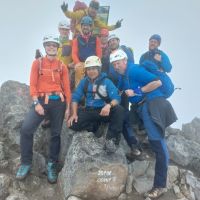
x,y
119,23
64,7
138,91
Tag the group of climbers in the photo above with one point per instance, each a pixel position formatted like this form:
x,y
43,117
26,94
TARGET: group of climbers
x,y
91,11
103,73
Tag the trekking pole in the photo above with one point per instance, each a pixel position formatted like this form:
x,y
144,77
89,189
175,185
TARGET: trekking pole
x,y
178,88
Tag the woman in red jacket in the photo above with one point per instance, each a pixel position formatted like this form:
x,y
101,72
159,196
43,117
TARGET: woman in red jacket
x,y
50,92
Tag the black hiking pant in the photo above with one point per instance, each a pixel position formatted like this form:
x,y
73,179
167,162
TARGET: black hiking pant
x,y
90,116
55,110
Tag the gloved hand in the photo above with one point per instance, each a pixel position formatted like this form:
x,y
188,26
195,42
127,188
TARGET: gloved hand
x,y
138,91
119,23
64,7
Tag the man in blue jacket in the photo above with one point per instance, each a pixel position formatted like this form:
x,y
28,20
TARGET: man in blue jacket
x,y
155,55
157,62
128,129
143,89
102,104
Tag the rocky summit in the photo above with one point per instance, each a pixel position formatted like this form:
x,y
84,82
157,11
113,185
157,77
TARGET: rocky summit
x,y
87,172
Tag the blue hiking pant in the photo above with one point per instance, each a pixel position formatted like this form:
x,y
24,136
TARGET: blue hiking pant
x,y
55,110
158,145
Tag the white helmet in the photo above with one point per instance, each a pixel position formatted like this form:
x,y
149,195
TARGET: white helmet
x,y
93,61
117,55
50,38
112,36
64,24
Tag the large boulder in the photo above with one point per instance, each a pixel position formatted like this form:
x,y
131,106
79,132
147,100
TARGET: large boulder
x,y
191,131
14,103
184,152
89,172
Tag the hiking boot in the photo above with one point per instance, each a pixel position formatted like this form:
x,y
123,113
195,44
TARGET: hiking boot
x,y
154,193
135,154
110,146
52,174
135,150
23,171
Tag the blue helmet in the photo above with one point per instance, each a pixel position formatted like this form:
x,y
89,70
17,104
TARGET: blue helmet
x,y
87,20
156,37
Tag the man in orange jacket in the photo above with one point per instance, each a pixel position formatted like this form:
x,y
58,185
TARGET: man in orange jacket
x,y
50,92
83,46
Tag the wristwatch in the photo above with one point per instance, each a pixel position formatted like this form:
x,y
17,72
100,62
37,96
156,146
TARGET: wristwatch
x,y
35,102
111,104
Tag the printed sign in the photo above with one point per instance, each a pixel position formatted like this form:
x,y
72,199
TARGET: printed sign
x,y
103,14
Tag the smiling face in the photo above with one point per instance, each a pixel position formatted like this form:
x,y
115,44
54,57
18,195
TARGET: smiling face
x,y
92,72
113,44
51,48
86,29
153,44
120,66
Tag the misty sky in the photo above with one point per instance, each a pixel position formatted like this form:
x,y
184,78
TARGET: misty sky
x,y
24,23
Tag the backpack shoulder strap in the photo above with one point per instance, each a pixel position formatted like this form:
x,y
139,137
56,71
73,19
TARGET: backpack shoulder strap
x,y
40,59
60,66
85,88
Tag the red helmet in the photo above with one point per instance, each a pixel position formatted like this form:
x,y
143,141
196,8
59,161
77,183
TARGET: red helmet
x,y
104,32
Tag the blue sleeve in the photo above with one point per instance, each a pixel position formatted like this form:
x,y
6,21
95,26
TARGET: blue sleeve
x,y
141,59
142,76
112,90
165,62
79,92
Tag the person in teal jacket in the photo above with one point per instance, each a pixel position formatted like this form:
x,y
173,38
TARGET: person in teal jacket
x,y
102,104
